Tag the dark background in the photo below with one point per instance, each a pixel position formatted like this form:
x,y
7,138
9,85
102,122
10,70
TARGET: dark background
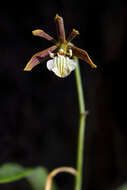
x,y
39,111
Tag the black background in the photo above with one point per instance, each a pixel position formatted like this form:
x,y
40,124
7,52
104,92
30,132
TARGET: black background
x,y
39,111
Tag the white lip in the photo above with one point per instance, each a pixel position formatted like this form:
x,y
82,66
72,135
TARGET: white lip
x,y
61,65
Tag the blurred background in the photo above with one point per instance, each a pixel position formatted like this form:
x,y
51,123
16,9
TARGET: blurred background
x,y
39,111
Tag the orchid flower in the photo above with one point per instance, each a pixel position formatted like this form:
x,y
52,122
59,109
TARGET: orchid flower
x,y
61,54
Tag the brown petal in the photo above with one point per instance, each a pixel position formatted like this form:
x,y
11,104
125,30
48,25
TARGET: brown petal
x,y
43,34
60,28
82,54
73,34
35,60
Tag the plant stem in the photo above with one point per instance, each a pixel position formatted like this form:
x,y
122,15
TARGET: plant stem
x,y
81,132
79,88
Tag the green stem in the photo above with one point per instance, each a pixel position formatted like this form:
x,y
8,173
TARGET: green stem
x,y
82,123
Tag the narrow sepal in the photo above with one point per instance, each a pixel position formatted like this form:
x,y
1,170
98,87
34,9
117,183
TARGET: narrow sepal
x,y
35,60
43,34
72,35
83,55
60,28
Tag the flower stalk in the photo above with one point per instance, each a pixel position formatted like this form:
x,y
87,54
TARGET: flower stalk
x,y
63,60
82,125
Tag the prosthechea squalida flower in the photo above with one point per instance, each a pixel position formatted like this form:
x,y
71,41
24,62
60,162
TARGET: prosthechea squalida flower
x,y
61,54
